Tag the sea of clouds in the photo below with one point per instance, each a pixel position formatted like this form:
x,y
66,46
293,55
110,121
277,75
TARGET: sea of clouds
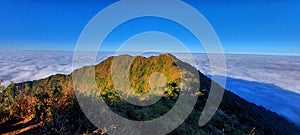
x,y
269,81
282,71
20,66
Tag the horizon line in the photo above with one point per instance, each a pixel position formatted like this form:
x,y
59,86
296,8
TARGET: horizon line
x,y
110,51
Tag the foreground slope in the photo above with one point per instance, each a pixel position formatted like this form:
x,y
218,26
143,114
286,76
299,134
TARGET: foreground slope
x,y
49,105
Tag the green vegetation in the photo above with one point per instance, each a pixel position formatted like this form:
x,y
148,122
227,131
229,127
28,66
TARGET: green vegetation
x,y
51,101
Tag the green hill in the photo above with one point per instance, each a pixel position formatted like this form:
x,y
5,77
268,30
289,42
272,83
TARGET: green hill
x,y
49,106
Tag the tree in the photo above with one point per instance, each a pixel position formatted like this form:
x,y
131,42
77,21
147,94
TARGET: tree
x,y
7,101
1,81
3,111
27,87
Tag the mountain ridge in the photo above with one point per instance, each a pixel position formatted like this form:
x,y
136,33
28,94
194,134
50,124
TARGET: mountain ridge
x,y
235,115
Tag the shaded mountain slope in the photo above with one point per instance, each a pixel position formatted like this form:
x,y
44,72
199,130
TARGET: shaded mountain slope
x,y
53,103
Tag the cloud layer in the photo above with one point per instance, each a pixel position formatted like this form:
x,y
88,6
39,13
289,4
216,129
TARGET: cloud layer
x,y
20,66
270,81
282,71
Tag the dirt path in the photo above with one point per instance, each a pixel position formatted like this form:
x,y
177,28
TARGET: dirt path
x,y
19,131
20,127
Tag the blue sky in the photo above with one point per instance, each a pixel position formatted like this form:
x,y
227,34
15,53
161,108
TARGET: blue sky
x,y
243,26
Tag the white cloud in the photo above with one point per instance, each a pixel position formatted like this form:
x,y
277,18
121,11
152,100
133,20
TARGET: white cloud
x,y
20,66
269,81
282,71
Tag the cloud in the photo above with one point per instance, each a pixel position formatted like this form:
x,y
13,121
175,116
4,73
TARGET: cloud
x,y
20,66
282,71
270,96
270,81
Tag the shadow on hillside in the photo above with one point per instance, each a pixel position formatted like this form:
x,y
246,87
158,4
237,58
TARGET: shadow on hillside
x,y
270,96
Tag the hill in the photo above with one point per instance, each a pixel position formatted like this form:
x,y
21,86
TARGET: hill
x,y
49,105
